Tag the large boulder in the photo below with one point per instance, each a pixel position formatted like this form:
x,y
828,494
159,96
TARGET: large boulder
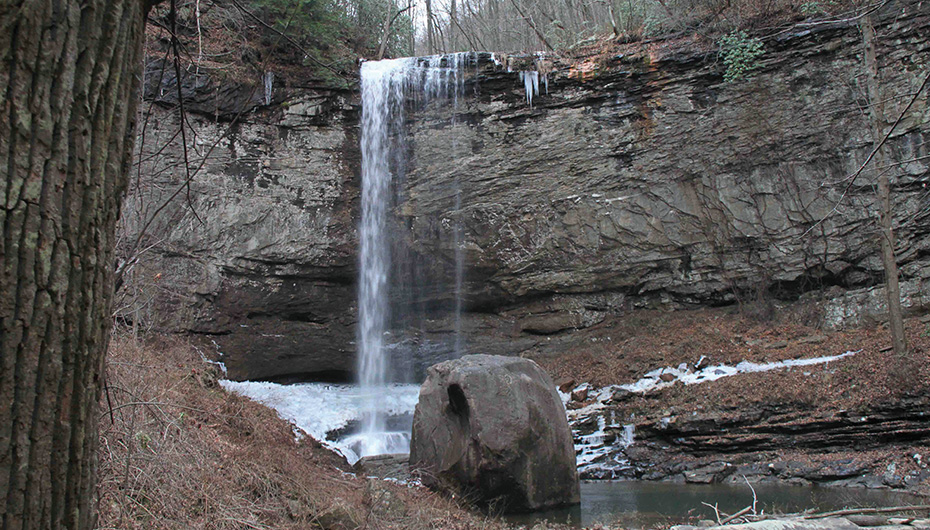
x,y
494,430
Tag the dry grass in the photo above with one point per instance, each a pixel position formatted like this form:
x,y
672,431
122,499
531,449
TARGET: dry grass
x,y
623,348
177,451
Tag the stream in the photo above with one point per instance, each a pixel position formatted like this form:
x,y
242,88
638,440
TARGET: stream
x,y
640,505
329,413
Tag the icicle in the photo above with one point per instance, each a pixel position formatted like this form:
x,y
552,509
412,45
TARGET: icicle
x,y
447,79
530,85
628,435
269,82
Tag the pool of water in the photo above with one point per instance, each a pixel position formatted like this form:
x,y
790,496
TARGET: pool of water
x,y
639,505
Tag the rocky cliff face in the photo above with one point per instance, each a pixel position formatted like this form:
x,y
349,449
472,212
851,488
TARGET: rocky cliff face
x,y
721,445
650,179
641,178
257,251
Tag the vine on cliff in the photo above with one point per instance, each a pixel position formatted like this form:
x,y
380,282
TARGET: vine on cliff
x,y
740,54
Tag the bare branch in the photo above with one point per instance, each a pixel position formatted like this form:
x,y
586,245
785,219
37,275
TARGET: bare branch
x,y
857,511
532,25
853,176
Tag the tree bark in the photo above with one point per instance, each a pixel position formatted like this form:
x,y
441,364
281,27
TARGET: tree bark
x,y
453,23
69,98
430,37
886,232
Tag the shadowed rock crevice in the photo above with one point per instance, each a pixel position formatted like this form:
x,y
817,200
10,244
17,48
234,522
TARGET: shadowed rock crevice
x,y
458,404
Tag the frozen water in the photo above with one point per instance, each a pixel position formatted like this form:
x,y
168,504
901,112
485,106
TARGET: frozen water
x,y
268,79
531,84
684,374
596,457
320,409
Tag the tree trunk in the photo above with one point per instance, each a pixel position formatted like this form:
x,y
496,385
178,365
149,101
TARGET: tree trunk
x,y
886,233
453,23
613,18
430,37
69,97
388,24
386,31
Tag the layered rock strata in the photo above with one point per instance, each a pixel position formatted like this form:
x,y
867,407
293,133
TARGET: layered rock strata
x,y
640,178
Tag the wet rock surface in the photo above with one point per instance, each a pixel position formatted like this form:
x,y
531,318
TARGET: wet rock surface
x,y
655,181
259,255
394,467
492,429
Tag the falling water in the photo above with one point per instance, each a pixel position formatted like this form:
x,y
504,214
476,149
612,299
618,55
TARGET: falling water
x,y
374,252
385,86
458,230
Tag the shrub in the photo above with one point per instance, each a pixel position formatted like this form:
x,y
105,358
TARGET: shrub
x,y
314,21
740,54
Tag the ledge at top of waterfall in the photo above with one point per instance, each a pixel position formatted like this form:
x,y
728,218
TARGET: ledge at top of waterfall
x,y
432,76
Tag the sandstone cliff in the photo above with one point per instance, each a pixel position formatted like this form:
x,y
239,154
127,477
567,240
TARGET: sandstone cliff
x,y
640,179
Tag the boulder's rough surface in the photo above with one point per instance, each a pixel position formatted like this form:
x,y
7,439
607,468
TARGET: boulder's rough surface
x,y
493,429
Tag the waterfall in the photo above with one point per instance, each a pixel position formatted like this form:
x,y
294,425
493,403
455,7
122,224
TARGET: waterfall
x,y
386,88
374,251
459,229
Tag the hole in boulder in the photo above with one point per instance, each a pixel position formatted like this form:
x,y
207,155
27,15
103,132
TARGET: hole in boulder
x,y
458,405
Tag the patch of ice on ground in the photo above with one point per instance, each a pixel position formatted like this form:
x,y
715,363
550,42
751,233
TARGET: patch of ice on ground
x,y
219,354
409,483
318,408
598,454
685,374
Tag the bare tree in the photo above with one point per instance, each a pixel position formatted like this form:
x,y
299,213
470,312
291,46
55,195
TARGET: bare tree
x,y
883,198
392,16
430,31
513,25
